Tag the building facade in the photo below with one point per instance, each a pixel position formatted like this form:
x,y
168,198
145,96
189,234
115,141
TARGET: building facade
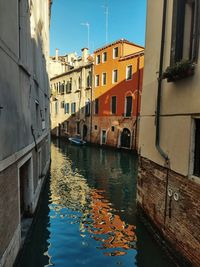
x,y
24,116
118,72
169,139
71,98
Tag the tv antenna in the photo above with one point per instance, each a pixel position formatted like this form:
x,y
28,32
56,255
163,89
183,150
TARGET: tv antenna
x,y
88,32
106,13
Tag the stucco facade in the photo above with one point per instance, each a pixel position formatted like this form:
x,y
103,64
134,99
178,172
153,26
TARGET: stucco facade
x,y
71,99
24,116
169,180
118,73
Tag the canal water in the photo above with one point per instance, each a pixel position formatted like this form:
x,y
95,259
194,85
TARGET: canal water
x,y
87,215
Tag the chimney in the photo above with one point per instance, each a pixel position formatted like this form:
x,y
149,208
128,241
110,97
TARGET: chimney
x,y
84,54
56,54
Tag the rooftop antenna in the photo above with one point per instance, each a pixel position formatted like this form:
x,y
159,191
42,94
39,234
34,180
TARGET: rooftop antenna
x,y
88,30
106,13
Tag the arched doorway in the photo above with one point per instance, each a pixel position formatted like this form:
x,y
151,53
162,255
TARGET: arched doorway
x,y
126,138
84,132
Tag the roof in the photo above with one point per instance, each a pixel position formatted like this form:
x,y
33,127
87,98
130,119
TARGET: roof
x,y
72,70
117,42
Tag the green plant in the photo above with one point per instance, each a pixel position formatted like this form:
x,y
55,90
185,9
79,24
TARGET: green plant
x,y
179,70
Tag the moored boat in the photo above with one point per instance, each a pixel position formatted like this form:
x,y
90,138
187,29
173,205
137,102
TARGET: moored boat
x,y
76,141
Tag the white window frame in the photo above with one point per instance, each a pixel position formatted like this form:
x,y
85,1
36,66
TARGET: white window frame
x,y
103,130
98,61
103,60
102,81
114,49
97,75
127,67
113,76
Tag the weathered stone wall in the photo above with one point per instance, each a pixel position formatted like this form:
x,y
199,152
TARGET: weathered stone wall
x,y
9,206
113,136
178,219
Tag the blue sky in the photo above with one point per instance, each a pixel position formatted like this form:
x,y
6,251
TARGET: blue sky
x,y
126,19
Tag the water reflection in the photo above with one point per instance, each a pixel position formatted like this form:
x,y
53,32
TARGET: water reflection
x,y
88,216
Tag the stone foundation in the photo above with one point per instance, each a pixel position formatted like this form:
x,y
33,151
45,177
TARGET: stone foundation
x,y
175,210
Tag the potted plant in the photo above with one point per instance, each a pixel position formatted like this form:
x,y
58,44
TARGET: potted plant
x,y
179,70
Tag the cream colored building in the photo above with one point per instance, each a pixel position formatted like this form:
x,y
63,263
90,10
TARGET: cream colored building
x,y
71,98
169,139
24,117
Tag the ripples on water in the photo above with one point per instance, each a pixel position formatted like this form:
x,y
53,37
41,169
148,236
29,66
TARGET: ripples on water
x,y
88,216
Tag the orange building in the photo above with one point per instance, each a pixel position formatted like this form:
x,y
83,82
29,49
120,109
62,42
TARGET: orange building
x,y
118,72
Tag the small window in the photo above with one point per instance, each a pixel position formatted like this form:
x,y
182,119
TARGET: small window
x,y
196,171
113,128
128,106
79,82
67,108
129,72
89,79
113,104
87,107
115,52
104,78
73,107
95,127
56,107
104,57
115,76
96,108
98,59
97,80
62,104
185,31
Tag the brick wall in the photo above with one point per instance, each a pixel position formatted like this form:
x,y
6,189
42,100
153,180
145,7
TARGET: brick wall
x,y
181,225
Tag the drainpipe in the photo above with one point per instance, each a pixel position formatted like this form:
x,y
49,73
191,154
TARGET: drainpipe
x,y
158,108
138,96
91,100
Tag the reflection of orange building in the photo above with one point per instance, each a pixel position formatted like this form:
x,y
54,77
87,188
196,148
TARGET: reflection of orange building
x,y
118,75
120,236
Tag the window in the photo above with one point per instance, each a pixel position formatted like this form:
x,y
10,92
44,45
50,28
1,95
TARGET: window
x,y
129,72
104,57
115,74
113,128
69,86
67,108
79,82
96,107
89,79
62,104
98,59
115,52
185,30
104,78
103,137
128,106
95,127
87,107
113,104
73,107
97,80
196,170
56,107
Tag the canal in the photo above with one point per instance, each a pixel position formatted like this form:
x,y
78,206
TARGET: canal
x,y
87,214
